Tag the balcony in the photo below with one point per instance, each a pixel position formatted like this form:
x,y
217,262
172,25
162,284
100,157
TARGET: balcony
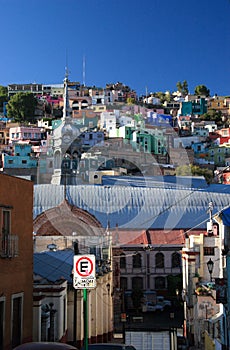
x,y
8,246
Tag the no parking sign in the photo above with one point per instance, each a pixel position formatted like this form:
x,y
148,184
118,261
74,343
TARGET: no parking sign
x,y
84,271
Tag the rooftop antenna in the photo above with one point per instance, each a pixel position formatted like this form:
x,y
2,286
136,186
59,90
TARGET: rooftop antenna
x,y
66,67
83,74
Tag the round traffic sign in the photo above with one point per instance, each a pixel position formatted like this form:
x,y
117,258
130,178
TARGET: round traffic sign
x,y
84,266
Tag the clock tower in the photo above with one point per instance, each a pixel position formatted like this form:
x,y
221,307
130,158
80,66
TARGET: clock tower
x,y
63,136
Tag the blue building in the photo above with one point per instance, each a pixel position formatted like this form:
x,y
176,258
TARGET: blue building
x,y
195,107
21,158
162,120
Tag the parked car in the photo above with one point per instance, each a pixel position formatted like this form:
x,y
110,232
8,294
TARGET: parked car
x,y
45,346
151,307
109,346
182,343
164,302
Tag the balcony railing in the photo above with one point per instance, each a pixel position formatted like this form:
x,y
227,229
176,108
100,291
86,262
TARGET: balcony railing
x,y
8,246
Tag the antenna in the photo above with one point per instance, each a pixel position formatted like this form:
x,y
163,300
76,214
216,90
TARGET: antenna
x,y
66,68
83,74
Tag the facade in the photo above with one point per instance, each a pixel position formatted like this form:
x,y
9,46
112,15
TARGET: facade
x,y
217,155
200,299
194,107
16,261
90,164
56,231
108,121
49,305
4,135
146,259
21,158
21,162
220,104
35,89
25,133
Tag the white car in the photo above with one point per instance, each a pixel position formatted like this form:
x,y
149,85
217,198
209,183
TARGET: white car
x,y
163,302
151,307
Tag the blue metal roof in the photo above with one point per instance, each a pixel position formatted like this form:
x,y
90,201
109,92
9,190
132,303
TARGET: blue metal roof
x,y
167,181
54,266
138,207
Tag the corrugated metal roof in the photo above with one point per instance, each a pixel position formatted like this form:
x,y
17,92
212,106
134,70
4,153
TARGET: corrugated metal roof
x,y
54,266
137,207
166,181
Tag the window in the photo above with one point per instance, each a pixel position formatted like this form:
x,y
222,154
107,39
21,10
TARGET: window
x,y
2,321
24,161
137,283
159,283
176,260
16,317
64,314
123,283
5,222
159,260
122,261
136,260
209,251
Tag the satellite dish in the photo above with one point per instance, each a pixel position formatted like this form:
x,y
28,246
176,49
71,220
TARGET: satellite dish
x,y
52,247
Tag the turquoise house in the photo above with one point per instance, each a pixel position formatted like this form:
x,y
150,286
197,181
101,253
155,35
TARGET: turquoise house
x,y
196,107
21,159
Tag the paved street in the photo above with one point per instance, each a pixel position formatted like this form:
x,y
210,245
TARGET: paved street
x,y
172,318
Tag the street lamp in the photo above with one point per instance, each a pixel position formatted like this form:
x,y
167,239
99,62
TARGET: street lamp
x,y
210,264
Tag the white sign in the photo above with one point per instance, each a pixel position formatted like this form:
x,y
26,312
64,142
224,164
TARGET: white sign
x,y
84,271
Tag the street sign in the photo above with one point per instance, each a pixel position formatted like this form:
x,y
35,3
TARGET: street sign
x,y
84,271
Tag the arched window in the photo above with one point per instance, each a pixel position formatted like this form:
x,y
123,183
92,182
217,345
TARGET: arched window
x,y
122,261
159,283
176,260
137,260
159,260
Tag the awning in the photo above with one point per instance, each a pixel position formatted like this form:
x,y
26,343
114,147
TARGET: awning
x,y
216,317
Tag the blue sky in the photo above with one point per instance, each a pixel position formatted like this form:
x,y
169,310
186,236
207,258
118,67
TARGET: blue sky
x,y
149,44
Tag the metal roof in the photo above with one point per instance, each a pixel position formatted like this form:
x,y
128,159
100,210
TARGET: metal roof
x,y
54,266
138,207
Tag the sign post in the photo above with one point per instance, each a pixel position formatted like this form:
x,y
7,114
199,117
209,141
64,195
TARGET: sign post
x,y
84,278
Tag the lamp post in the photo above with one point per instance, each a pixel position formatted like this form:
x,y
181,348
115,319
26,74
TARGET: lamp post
x,y
210,265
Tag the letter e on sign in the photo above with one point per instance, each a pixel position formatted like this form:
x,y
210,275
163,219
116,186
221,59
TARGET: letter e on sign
x,y
84,266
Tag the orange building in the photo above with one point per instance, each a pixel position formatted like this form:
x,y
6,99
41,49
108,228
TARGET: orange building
x,y
16,261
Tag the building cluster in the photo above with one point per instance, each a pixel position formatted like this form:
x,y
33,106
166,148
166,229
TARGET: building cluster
x,y
96,175
117,131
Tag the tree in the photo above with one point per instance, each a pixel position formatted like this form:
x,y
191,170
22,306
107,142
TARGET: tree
x,y
3,96
137,295
130,101
182,87
21,107
189,170
202,90
213,115
162,96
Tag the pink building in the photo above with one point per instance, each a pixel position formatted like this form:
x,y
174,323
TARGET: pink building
x,y
25,133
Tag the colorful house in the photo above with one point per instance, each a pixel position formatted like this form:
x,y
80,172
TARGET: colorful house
x,y
195,107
